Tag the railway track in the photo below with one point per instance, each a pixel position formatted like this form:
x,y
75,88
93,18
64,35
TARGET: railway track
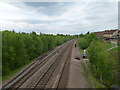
x,y
61,72
29,68
43,81
40,74
65,72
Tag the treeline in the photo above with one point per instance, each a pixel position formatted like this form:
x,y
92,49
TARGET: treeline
x,y
85,40
103,67
20,48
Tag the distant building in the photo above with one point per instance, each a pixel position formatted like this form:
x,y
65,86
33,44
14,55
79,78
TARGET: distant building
x,y
109,35
100,35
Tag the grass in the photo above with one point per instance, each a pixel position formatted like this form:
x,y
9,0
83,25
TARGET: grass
x,y
87,75
14,72
81,51
96,83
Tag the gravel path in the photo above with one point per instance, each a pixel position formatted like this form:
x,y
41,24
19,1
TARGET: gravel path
x,y
76,78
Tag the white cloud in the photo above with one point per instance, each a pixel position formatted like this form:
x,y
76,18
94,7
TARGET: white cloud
x,y
67,18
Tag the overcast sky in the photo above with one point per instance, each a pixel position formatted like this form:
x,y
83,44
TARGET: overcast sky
x,y
58,17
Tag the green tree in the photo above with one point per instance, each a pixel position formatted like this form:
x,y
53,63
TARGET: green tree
x,y
102,65
20,48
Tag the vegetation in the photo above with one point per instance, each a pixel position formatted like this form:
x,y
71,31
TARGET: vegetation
x,y
87,75
85,40
18,49
91,81
115,56
101,64
103,67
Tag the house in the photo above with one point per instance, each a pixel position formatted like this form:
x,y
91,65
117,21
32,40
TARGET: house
x,y
116,34
100,35
112,36
108,34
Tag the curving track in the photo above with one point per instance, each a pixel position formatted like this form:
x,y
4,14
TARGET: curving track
x,y
50,72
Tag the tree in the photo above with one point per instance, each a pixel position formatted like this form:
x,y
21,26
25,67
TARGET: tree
x,y
88,32
102,66
20,48
85,41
